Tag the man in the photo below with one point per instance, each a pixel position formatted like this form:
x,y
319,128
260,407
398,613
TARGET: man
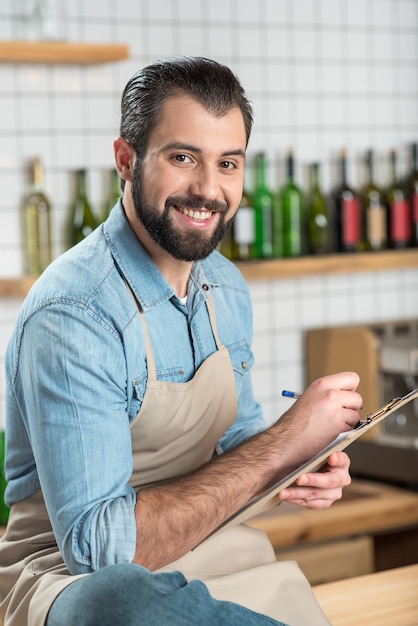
x,y
132,429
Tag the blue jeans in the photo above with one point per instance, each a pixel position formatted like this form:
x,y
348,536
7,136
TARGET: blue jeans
x,y
130,595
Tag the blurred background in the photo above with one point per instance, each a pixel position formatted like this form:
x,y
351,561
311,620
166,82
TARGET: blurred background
x,y
322,75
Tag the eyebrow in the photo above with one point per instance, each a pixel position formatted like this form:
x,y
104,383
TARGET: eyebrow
x,y
178,145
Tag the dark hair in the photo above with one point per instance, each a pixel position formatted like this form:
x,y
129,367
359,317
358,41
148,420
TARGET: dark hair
x,y
208,82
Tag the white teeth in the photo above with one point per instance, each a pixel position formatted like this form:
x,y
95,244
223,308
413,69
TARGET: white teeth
x,y
196,215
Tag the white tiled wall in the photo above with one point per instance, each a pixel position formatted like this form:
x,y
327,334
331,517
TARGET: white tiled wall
x,y
321,74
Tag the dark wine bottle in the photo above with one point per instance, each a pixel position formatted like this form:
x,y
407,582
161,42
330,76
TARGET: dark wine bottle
x,y
412,194
399,217
83,219
37,223
291,209
263,208
317,215
347,213
374,211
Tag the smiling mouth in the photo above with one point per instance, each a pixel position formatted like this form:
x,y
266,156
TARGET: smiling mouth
x,y
201,215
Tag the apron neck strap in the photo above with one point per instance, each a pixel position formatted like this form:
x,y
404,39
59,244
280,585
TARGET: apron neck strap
x,y
211,310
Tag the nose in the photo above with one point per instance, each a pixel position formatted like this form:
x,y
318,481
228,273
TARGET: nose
x,y
205,183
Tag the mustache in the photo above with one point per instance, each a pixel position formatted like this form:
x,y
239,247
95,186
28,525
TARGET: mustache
x,y
197,202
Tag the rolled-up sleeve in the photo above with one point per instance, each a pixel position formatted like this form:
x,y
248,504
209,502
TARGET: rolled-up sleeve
x,y
70,385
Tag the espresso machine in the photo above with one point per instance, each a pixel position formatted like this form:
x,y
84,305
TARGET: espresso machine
x,y
386,357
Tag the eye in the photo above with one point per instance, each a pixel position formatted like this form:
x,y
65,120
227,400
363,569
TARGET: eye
x,y
182,158
227,165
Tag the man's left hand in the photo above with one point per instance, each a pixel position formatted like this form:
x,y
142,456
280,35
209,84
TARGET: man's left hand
x,y
319,490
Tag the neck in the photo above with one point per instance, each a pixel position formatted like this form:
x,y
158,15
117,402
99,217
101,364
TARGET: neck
x,y
175,272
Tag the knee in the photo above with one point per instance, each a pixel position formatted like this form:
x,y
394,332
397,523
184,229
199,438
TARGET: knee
x,y
116,594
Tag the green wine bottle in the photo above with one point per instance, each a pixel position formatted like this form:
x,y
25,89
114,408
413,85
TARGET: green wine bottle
x,y
317,215
4,509
399,217
291,207
37,223
374,211
113,195
263,208
83,219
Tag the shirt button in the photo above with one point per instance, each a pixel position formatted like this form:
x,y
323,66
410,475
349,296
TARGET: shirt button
x,y
205,287
243,365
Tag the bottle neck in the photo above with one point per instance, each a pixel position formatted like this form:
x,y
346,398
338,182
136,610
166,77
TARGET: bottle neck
x,y
38,177
369,168
81,182
394,168
290,167
414,157
315,176
343,171
261,170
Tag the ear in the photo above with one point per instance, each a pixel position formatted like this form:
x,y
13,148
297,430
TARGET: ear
x,y
125,157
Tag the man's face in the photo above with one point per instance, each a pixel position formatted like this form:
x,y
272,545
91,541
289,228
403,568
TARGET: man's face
x,y
188,187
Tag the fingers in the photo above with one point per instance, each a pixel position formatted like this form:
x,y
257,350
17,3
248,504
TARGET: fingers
x,y
320,489
312,499
342,380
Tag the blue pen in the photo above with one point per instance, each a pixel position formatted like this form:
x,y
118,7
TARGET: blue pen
x,y
291,394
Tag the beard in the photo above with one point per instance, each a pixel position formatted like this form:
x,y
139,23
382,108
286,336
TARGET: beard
x,y
190,246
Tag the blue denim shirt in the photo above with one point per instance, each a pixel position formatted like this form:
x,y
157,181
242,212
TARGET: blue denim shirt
x,y
76,376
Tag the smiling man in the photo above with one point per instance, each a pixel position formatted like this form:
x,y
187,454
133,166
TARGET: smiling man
x,y
132,427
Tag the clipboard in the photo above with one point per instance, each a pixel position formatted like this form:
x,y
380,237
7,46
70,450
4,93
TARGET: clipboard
x,y
268,499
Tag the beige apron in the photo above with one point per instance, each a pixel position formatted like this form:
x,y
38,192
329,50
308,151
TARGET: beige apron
x,y
175,431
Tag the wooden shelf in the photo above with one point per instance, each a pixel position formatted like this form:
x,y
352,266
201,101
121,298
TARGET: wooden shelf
x,y
329,264
15,287
280,268
61,52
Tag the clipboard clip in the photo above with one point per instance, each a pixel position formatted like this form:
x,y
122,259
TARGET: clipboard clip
x,y
370,417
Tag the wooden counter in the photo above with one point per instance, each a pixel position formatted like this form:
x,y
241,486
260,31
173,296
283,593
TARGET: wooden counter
x,y
387,598
366,507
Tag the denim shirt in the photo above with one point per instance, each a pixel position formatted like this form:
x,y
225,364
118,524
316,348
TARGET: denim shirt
x,y
76,375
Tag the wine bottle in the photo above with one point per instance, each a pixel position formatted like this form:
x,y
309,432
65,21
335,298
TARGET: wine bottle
x,y
412,194
37,223
113,194
83,219
317,215
399,218
225,246
374,211
263,207
347,213
290,205
243,230
4,509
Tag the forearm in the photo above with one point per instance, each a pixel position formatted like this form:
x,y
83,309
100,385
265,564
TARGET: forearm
x,y
174,517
